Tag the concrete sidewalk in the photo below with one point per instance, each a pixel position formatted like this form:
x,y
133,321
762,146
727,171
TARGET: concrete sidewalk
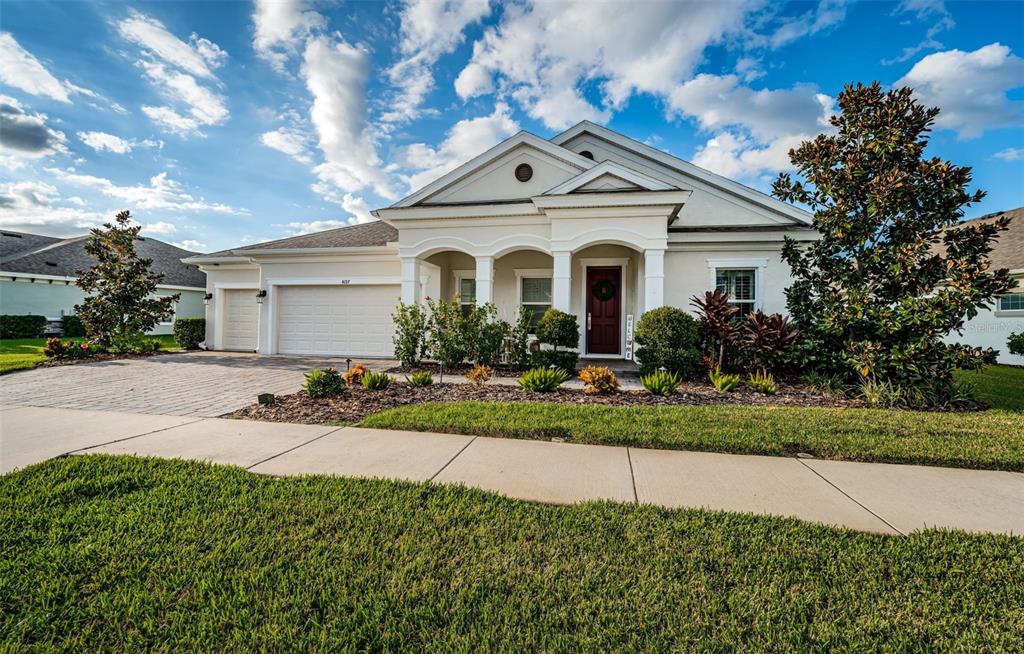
x,y
864,496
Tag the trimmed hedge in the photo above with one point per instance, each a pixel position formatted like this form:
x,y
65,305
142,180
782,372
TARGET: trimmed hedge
x,y
72,326
668,337
190,332
27,326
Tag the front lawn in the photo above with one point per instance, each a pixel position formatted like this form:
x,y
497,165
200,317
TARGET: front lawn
x,y
989,439
22,353
116,553
1000,386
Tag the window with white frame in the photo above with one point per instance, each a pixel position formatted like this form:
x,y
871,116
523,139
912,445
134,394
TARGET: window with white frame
x,y
1011,302
467,294
535,297
741,285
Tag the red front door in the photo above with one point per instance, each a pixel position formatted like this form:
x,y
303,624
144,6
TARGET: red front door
x,y
604,303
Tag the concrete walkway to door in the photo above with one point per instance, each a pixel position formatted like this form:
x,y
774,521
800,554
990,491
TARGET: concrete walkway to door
x,y
864,496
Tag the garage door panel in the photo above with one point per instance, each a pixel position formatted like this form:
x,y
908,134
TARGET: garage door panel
x,y
241,320
339,320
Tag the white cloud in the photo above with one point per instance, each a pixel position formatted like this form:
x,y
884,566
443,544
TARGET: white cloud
x,y
299,228
171,120
544,54
739,157
190,245
100,141
32,206
204,106
828,13
198,58
336,74
924,10
970,88
1010,154
463,141
429,30
161,228
26,134
20,69
28,194
280,25
160,193
289,140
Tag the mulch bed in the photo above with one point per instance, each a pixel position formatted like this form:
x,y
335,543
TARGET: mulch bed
x,y
105,356
354,404
499,370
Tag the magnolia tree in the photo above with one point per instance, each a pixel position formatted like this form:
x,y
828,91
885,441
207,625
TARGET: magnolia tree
x,y
892,273
121,304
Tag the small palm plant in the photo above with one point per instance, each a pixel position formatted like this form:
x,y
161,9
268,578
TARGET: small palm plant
x,y
661,382
543,380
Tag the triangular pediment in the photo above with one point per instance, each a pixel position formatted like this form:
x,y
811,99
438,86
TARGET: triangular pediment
x,y
609,176
518,168
608,182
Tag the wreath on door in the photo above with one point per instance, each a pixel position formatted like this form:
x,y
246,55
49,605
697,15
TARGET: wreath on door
x,y
603,291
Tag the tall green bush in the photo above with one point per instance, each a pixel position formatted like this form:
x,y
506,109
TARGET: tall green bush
x,y
410,337
518,343
558,329
72,326
1016,343
22,326
668,338
447,332
190,332
485,335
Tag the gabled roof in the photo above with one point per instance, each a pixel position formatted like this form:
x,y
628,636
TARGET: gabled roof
x,y
1008,251
478,162
610,168
64,257
684,167
12,243
371,234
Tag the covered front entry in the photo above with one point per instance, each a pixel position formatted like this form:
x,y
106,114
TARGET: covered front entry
x,y
604,310
336,320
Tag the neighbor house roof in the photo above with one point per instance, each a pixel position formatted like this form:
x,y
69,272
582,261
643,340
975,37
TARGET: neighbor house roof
x,y
12,243
1008,251
371,234
63,257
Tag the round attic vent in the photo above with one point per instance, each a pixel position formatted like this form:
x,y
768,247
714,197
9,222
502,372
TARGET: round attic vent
x,y
587,153
524,172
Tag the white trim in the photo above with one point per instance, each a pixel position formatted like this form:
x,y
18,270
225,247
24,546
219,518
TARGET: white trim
x,y
63,278
670,198
459,275
759,266
603,262
684,167
532,273
481,160
615,170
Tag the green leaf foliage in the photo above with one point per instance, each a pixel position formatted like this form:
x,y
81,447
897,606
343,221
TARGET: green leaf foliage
x,y
190,332
668,338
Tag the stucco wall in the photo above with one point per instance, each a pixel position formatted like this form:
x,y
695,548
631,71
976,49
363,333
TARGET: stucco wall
x,y
992,329
687,274
226,274
57,299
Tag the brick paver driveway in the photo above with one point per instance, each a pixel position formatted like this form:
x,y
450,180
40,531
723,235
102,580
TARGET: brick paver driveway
x,y
195,383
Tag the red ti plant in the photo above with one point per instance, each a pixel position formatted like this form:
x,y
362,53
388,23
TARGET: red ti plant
x,y
768,337
717,322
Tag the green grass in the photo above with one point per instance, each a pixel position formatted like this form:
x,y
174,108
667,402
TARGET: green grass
x,y
22,353
1000,386
115,553
990,439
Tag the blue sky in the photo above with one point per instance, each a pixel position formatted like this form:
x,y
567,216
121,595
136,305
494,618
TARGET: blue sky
x,y
219,124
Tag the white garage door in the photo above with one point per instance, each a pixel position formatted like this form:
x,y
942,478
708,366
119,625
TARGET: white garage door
x,y
339,320
241,318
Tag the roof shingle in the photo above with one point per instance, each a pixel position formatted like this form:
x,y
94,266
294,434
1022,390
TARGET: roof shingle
x,y
372,234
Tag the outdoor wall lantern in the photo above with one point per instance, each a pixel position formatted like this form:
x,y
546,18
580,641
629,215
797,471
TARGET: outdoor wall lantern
x,y
207,298
261,296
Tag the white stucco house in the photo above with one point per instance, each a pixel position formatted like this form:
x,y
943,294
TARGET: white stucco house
x,y
590,222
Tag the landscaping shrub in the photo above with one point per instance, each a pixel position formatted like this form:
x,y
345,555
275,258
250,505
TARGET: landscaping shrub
x,y
880,393
354,375
72,326
542,380
479,375
598,380
661,382
1016,344
517,348
722,381
64,350
767,340
420,378
485,335
718,325
447,332
410,337
562,359
762,382
125,342
190,332
376,381
322,382
830,385
27,326
558,329
873,295
668,338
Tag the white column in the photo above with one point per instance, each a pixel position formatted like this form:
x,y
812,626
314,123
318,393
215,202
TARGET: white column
x,y
410,280
654,279
561,283
484,280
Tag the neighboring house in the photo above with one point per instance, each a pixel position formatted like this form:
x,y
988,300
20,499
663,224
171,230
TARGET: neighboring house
x,y
590,222
991,328
37,275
